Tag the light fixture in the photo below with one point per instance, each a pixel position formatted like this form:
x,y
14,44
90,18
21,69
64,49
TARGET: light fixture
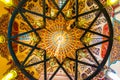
x,y
7,2
53,13
34,38
39,23
2,39
69,13
10,76
112,2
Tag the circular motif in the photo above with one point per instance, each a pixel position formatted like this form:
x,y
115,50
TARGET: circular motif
x,y
60,38
63,42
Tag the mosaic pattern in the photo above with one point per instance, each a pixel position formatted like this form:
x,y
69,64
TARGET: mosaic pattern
x,y
115,50
60,41
3,36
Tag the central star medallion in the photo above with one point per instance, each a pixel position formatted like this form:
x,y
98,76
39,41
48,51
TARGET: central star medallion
x,y
58,40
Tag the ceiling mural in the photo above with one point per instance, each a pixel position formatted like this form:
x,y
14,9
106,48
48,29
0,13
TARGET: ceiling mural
x,y
46,39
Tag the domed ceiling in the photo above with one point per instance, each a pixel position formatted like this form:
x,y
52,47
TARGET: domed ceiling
x,y
60,39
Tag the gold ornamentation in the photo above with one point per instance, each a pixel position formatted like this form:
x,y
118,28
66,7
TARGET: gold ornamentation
x,y
2,39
